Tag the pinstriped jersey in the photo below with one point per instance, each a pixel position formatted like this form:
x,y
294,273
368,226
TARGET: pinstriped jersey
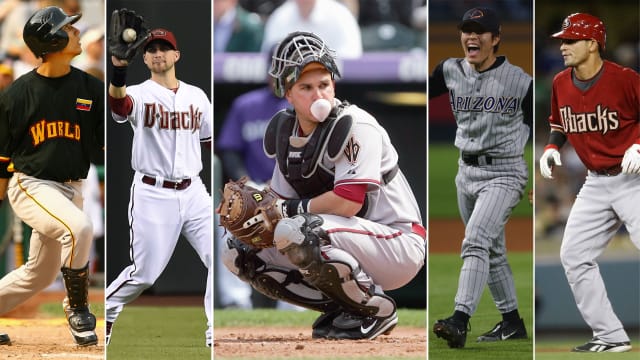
x,y
488,107
168,128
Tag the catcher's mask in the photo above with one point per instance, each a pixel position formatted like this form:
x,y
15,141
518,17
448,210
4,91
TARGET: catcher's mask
x,y
296,51
43,32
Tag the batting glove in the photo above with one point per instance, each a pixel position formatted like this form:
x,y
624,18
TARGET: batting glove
x,y
550,157
631,160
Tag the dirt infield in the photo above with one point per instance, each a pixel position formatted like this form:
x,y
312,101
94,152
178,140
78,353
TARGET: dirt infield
x,y
297,343
445,235
39,336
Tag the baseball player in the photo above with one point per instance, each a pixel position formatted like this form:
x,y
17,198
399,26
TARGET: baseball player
x,y
491,100
595,105
351,226
51,123
170,119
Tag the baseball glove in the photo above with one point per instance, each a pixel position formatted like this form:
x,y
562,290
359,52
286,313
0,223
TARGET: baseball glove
x,y
120,20
249,214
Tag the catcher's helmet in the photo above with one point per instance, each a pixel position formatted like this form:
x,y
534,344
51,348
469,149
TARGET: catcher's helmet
x,y
295,52
43,32
581,26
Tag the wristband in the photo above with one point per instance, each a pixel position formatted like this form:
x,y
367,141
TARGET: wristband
x,y
296,207
557,138
119,76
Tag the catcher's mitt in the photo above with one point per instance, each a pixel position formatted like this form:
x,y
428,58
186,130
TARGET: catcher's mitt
x,y
249,214
120,20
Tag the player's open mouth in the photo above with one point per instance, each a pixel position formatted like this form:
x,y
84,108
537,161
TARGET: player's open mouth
x,y
473,50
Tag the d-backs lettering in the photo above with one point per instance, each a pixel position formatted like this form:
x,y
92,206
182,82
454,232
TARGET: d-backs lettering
x,y
602,120
44,130
172,120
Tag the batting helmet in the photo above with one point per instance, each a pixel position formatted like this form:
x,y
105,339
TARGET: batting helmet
x,y
43,32
581,26
295,52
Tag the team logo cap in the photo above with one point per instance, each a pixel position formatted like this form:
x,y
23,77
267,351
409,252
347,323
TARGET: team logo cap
x,y
162,35
485,17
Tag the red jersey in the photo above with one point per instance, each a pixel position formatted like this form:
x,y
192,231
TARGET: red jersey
x,y
601,122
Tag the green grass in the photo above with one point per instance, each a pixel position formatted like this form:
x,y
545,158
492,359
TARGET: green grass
x,y
159,333
443,282
274,318
443,166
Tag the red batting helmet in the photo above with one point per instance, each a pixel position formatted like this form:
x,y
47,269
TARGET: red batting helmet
x,y
581,26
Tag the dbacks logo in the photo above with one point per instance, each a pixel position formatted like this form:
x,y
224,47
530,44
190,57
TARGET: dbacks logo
x,y
172,120
602,120
351,150
44,130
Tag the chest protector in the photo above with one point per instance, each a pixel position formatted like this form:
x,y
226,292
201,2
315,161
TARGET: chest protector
x,y
301,161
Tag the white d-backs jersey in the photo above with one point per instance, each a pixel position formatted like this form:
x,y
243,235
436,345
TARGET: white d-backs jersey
x,y
367,155
168,128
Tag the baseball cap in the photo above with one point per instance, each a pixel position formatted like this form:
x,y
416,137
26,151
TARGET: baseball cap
x,y
162,35
483,16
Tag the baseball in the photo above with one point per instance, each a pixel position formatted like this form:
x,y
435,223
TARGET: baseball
x,y
320,109
129,35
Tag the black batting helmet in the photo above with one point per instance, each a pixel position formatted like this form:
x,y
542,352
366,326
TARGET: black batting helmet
x,y
295,52
43,32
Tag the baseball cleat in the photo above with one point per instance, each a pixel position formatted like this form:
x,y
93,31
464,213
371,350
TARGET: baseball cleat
x,y
4,339
323,324
354,327
82,325
505,330
597,345
454,331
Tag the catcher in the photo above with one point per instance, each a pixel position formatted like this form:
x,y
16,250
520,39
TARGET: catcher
x,y
339,224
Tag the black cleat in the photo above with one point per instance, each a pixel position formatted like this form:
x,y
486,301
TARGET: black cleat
x,y
4,339
323,324
505,330
454,331
354,327
82,325
597,345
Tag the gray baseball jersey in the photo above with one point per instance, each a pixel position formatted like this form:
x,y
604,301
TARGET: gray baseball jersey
x,y
492,109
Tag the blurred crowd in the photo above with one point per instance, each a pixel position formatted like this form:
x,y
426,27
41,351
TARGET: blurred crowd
x,y
349,26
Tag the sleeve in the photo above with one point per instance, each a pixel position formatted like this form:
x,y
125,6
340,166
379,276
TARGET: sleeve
x,y
206,125
554,118
5,139
527,106
122,106
437,84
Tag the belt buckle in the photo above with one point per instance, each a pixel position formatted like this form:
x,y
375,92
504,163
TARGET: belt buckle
x,y
176,185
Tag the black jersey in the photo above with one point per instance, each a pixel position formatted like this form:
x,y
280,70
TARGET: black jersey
x,y
50,127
